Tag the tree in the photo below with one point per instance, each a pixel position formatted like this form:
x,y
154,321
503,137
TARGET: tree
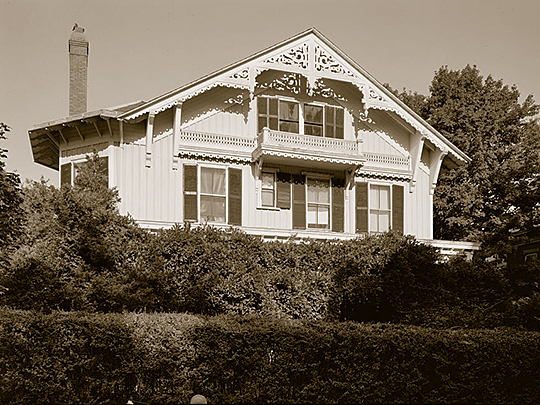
x,y
11,212
498,190
78,250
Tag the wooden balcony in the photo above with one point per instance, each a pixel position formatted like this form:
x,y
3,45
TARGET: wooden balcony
x,y
290,148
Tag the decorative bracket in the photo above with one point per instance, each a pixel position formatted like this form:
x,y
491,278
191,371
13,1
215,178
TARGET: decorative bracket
x,y
177,121
149,138
416,155
435,164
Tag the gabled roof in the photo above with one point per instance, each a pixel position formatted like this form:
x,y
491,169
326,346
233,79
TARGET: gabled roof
x,y
314,56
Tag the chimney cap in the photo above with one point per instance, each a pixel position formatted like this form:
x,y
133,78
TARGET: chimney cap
x,y
77,34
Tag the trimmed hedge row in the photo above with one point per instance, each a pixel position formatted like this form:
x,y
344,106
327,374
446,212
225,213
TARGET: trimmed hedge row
x,y
78,358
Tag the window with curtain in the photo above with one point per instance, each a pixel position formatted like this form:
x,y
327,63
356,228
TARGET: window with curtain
x,y
213,197
268,187
318,203
379,208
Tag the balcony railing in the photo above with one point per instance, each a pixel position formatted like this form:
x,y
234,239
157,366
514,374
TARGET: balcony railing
x,y
312,143
277,143
216,140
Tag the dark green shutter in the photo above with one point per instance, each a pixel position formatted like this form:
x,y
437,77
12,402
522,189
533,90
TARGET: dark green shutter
x,y
398,208
338,205
299,202
191,212
65,174
362,208
235,196
283,190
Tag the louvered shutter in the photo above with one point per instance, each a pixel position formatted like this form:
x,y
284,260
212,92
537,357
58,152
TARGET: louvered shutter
x,y
283,190
398,208
235,196
299,201
338,205
65,174
190,193
362,208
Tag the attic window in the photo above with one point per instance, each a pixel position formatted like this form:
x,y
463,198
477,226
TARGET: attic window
x,y
287,116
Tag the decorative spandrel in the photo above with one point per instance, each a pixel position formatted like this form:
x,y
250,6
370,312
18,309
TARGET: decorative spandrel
x,y
327,63
298,57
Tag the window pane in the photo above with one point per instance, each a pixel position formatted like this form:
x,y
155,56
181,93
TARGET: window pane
x,y
262,105
374,221
374,197
384,201
273,123
384,221
288,111
314,130
312,214
313,114
273,106
288,126
339,132
268,180
330,114
267,198
324,216
339,117
318,190
329,131
212,208
212,181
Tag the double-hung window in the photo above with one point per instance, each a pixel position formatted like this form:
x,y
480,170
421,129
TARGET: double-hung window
x,y
268,189
379,208
318,203
213,195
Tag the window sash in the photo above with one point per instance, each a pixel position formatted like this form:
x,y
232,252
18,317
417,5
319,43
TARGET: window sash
x,y
268,187
380,211
318,203
213,199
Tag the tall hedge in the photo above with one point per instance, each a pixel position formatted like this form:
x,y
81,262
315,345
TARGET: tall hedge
x,y
78,358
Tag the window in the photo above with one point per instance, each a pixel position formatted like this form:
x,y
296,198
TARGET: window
x,y
318,203
288,116
70,170
379,208
313,120
212,194
333,122
268,112
213,197
268,182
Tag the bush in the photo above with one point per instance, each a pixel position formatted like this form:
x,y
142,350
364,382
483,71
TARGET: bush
x,y
74,358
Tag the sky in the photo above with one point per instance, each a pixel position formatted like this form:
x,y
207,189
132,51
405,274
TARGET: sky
x,y
140,49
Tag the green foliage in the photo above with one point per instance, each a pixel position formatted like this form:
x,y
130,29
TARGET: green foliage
x,y
73,358
484,118
77,251
11,213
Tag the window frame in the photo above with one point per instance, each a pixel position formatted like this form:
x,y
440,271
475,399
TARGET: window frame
x,y
201,194
379,210
274,189
328,205
337,128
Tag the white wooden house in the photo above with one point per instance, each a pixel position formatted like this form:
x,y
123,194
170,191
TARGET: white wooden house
x,y
297,139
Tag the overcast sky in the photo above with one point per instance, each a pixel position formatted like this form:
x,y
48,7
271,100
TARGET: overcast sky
x,y
141,49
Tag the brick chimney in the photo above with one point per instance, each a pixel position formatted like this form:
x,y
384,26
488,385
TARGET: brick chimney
x,y
78,71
